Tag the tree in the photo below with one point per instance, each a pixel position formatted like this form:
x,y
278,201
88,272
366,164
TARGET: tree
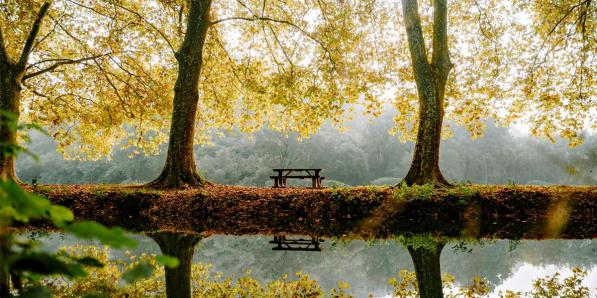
x,y
281,70
180,166
430,78
13,72
71,74
511,61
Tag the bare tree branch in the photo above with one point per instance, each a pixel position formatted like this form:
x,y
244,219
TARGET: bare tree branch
x,y
496,45
90,8
285,22
156,29
32,35
552,30
47,35
59,63
3,55
414,33
441,55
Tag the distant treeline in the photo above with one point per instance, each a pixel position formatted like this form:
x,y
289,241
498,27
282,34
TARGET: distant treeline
x,y
363,155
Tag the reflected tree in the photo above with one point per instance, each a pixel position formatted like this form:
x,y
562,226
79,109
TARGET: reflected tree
x,y
426,259
181,246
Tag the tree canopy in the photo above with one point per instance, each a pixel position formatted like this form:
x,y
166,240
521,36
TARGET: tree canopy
x,y
104,71
283,65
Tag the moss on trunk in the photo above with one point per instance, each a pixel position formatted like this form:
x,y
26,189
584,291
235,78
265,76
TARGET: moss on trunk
x,y
10,95
430,78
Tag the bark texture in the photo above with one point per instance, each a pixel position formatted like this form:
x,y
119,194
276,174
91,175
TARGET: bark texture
x,y
182,246
427,268
180,169
10,95
4,270
11,76
431,80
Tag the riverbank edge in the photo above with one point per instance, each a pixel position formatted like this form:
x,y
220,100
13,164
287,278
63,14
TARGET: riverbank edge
x,y
368,212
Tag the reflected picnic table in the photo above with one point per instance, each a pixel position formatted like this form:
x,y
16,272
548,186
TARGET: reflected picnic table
x,y
296,244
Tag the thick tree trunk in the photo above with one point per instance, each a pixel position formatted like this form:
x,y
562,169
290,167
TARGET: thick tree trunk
x,y
425,163
182,246
4,268
431,82
10,94
11,75
427,268
180,169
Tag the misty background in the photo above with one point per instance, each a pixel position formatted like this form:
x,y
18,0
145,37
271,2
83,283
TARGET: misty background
x,y
365,154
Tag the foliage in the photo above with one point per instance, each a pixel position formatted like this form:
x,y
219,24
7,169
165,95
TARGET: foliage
x,y
414,192
405,285
206,283
552,286
425,241
291,67
22,260
104,280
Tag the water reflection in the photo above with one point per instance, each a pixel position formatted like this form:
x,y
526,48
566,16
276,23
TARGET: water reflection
x,y
298,244
426,259
367,266
181,246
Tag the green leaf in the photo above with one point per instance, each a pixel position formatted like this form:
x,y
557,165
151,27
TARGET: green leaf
x,y
46,264
36,292
90,262
141,271
168,261
114,237
17,204
59,214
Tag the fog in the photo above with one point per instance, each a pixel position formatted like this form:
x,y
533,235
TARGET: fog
x,y
365,154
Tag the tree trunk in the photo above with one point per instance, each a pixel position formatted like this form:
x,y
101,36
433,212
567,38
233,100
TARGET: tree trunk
x,y
431,82
180,169
427,268
182,246
10,94
11,75
4,254
425,164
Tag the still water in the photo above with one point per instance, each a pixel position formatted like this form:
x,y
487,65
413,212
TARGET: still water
x,y
367,266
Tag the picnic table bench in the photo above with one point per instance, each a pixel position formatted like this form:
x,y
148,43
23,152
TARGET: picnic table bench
x,y
282,243
284,174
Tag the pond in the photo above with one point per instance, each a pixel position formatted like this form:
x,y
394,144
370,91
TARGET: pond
x,y
368,265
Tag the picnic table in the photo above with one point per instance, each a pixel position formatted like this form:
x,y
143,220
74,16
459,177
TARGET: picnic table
x,y
284,174
282,243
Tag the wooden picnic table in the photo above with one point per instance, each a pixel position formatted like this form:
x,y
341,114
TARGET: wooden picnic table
x,y
284,174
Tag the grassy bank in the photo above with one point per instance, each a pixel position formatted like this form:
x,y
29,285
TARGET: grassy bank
x,y
492,211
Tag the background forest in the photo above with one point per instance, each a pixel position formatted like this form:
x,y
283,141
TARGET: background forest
x,y
365,154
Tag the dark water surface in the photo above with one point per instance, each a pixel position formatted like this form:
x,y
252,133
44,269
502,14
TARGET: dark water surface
x,y
367,266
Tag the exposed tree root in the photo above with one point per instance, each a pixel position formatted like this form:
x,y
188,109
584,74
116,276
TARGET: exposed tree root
x,y
170,179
